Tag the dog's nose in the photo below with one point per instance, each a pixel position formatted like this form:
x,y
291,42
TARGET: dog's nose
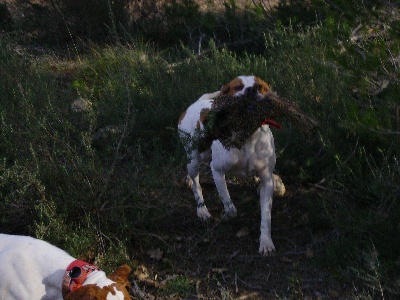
x,y
250,91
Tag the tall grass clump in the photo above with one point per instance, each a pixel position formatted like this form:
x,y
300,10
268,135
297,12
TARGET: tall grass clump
x,y
52,182
344,74
237,27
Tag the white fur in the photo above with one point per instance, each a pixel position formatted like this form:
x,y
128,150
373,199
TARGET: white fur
x,y
117,296
256,157
33,269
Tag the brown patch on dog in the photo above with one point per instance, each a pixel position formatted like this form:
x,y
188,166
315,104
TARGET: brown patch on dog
x,y
263,87
203,115
121,275
232,87
181,117
93,292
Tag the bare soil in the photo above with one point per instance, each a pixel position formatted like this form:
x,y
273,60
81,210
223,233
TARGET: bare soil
x,y
221,258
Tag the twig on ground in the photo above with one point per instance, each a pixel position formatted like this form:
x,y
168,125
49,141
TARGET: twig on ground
x,y
231,257
251,295
254,287
198,294
269,273
137,292
318,186
154,235
385,131
236,286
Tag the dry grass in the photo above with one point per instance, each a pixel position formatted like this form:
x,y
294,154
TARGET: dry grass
x,y
219,5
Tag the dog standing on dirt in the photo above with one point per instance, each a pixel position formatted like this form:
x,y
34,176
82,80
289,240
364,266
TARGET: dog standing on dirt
x,y
255,158
35,270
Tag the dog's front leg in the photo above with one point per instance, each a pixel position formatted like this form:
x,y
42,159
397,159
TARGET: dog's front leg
x,y
266,190
220,182
193,173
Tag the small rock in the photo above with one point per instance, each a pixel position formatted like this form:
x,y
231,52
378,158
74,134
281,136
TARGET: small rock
x,y
81,105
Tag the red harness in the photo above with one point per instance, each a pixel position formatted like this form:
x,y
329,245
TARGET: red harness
x,y
75,275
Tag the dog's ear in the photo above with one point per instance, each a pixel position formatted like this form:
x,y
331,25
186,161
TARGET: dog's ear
x,y
263,86
225,89
120,275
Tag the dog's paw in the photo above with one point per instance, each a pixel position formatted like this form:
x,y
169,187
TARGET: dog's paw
x,y
189,181
267,248
279,187
203,213
229,213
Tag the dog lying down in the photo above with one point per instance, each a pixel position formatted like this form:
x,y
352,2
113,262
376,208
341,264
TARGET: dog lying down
x,y
32,269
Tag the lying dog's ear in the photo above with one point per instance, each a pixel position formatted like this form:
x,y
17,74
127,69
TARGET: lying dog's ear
x,y
121,275
94,292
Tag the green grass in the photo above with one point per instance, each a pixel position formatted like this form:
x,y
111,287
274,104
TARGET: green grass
x,y
94,196
179,286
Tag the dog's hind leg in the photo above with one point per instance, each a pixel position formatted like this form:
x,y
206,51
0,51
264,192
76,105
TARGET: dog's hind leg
x,y
193,173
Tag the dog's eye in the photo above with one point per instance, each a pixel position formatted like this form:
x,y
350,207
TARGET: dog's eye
x,y
258,87
238,88
75,272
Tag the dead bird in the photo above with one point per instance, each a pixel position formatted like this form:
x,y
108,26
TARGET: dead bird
x,y
233,119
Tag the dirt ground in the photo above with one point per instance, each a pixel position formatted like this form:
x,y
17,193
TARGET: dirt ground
x,y
221,258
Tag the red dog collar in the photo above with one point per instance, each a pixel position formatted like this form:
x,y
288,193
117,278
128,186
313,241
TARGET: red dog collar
x,y
271,123
75,275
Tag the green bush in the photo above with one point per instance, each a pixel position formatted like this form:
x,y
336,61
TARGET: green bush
x,y
6,22
52,182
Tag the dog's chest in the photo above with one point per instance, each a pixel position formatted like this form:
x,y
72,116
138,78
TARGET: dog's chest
x,y
257,154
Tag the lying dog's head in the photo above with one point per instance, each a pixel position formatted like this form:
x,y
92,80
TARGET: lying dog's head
x,y
114,287
246,85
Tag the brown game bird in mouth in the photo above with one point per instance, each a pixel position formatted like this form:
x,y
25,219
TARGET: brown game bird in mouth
x,y
233,119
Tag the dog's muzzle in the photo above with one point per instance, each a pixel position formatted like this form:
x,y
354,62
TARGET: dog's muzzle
x,y
251,91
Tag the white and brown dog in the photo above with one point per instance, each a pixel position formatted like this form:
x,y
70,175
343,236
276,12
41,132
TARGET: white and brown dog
x,y
36,270
255,158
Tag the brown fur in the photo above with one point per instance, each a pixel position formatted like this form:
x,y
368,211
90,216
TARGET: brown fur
x,y
232,87
263,86
121,275
181,117
93,292
203,115
236,85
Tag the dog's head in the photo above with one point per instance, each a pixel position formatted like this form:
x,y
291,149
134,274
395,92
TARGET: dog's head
x,y
116,287
246,85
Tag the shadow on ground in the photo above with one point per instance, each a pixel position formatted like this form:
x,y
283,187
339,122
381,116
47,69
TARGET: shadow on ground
x,y
220,260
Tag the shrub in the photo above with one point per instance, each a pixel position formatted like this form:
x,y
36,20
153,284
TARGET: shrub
x,y
6,22
66,22
52,182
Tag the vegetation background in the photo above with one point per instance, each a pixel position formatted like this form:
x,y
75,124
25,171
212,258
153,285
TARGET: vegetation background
x,y
91,92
